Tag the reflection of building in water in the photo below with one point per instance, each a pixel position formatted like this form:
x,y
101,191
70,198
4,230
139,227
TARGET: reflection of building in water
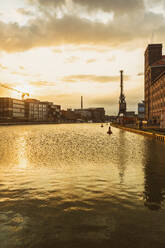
x,y
154,175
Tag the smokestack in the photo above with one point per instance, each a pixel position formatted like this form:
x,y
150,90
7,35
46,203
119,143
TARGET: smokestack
x,y
81,102
121,81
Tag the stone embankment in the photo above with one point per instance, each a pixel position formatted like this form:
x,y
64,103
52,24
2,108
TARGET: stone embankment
x,y
25,123
152,133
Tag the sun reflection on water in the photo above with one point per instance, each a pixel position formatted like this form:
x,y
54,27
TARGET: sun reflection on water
x,y
22,157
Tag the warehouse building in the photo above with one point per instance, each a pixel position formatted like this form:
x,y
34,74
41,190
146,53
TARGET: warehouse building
x,y
154,84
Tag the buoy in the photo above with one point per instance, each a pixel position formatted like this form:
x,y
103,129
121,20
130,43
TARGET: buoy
x,y
109,130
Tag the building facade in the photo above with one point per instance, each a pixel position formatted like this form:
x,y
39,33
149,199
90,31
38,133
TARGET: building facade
x,y
154,83
29,110
12,109
69,116
92,114
32,110
52,111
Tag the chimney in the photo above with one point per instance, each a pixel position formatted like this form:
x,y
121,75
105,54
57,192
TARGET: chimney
x,y
81,102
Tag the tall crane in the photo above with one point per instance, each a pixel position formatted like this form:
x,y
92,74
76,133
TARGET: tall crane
x,y
10,88
122,101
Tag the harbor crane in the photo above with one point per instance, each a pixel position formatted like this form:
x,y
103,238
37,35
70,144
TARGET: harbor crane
x,y
122,101
23,94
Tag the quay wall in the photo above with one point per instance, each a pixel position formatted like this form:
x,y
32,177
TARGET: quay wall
x,y
154,135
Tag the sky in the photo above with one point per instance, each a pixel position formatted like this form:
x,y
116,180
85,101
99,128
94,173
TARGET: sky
x,y
58,50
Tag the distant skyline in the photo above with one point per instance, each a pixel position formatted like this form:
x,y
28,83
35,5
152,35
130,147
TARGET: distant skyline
x,y
58,50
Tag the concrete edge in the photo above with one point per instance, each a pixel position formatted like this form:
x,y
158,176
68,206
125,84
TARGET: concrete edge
x,y
157,136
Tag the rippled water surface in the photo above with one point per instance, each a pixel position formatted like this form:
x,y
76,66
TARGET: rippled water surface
x,y
75,186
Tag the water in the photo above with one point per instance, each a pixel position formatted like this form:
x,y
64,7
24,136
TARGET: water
x,y
75,186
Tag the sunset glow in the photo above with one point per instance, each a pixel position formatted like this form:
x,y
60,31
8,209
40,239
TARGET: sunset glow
x,y
60,50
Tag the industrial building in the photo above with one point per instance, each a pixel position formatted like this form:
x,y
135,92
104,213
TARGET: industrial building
x,y
11,108
42,111
154,84
92,114
53,111
28,110
32,109
70,116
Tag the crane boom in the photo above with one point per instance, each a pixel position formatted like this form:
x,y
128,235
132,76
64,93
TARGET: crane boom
x,y
10,88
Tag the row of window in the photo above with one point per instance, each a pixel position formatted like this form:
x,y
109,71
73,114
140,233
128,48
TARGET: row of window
x,y
18,106
157,97
159,105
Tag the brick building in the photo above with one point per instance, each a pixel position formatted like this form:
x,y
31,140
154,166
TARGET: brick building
x,y
69,115
154,83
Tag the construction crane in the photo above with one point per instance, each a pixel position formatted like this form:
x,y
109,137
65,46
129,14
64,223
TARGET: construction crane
x,y
9,88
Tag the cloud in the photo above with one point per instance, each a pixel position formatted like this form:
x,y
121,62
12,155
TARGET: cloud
x,y
93,78
42,83
51,3
155,3
117,6
3,67
25,12
91,61
49,30
72,59
21,67
140,74
56,50
95,48
20,73
113,58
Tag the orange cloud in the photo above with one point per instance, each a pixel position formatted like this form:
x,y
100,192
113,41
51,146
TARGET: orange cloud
x,y
91,61
72,59
42,83
93,78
